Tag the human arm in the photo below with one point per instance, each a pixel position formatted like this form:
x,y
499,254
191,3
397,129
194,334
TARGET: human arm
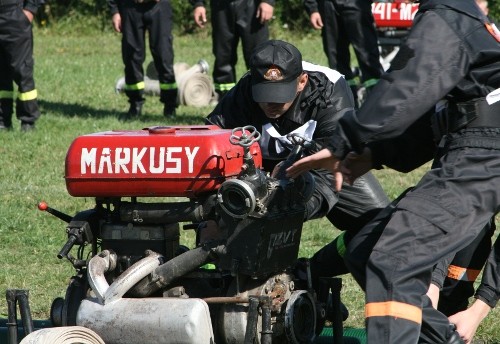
x,y
200,16
199,12
316,21
265,12
116,20
30,8
426,69
468,321
489,289
323,159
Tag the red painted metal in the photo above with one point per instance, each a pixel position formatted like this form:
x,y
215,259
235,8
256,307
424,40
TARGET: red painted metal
x,y
397,14
158,161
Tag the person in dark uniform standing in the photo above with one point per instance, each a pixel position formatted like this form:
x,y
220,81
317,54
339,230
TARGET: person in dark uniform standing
x,y
450,64
233,20
346,22
133,18
282,94
16,63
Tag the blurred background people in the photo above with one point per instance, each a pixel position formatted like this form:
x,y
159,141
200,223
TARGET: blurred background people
x,y
232,21
16,63
344,23
133,18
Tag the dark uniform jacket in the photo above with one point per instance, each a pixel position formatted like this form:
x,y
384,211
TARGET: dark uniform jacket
x,y
442,59
452,56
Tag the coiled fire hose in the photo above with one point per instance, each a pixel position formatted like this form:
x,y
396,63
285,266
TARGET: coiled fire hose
x,y
63,335
195,87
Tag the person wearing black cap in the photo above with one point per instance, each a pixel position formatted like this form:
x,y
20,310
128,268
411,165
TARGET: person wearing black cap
x,y
447,73
282,94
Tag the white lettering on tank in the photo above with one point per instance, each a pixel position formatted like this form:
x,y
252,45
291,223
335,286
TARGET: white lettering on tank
x,y
132,160
88,160
191,155
161,160
121,160
136,159
176,161
105,161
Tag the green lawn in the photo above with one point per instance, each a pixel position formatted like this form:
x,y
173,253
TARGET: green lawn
x,y
75,78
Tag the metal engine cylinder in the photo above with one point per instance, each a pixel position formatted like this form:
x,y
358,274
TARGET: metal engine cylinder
x,y
148,321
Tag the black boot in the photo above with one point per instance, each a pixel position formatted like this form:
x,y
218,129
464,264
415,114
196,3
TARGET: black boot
x,y
6,110
135,109
169,110
169,100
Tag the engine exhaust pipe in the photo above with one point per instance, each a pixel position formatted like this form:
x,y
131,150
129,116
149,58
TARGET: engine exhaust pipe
x,y
173,269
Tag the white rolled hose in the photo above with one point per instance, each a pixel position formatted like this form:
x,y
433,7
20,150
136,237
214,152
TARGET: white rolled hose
x,y
195,87
63,335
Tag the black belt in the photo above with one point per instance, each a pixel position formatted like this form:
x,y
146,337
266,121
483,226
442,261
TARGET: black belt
x,y
473,114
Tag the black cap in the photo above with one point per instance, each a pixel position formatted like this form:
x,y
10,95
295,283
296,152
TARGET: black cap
x,y
275,66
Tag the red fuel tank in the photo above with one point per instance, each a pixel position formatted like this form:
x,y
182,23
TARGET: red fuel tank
x,y
183,161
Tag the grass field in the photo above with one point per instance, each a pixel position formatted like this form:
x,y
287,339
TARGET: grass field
x,y
75,77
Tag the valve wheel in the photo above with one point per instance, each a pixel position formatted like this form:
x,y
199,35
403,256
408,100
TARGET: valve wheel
x,y
249,135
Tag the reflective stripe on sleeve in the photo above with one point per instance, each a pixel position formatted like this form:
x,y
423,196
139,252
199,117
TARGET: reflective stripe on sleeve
x,y
25,96
462,274
394,309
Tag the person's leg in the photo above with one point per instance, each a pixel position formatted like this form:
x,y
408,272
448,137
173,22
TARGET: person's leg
x,y
463,271
357,204
6,91
359,26
133,55
224,45
330,31
430,223
251,31
21,63
161,44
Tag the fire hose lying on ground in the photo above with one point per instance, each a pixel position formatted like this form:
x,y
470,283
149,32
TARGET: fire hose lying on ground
x,y
195,87
135,284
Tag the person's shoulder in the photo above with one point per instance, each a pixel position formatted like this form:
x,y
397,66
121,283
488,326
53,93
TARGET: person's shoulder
x,y
329,73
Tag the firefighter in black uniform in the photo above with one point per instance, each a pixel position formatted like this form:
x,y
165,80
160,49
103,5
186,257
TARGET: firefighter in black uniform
x,y
312,108
346,22
133,18
451,61
453,285
453,282
16,63
486,298
233,20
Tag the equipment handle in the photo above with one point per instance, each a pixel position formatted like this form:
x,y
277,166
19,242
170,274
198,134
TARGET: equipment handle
x,y
67,247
